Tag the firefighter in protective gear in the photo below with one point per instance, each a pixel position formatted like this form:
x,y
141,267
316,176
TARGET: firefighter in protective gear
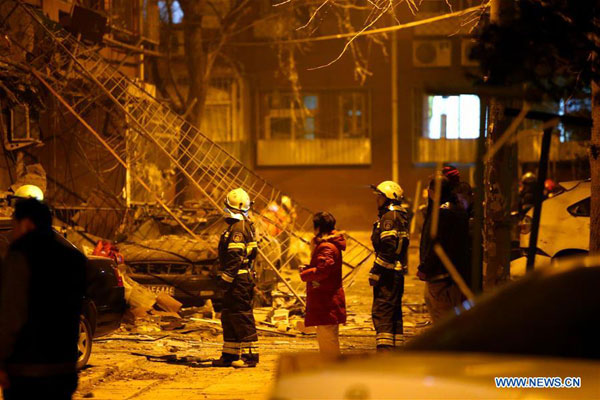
x,y
237,252
390,242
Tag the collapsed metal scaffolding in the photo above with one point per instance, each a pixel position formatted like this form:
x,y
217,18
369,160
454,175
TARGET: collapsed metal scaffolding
x,y
81,79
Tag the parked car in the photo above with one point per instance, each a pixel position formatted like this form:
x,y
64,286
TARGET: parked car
x,y
181,267
185,268
539,326
104,302
564,223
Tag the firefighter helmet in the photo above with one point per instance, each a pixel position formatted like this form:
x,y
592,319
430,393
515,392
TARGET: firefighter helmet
x,y
528,177
238,200
286,202
389,189
29,191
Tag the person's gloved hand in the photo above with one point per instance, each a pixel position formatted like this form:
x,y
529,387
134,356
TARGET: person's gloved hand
x,y
375,275
421,276
373,279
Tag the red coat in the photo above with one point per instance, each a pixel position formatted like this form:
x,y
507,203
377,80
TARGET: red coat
x,y
325,298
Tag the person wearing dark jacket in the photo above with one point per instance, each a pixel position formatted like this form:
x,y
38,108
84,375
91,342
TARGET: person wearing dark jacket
x,y
42,284
237,252
441,292
390,242
325,299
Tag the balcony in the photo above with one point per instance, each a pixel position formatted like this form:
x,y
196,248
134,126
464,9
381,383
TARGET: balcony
x,y
286,152
530,148
461,151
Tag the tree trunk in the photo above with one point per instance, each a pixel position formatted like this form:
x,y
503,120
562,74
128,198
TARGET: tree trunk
x,y
595,170
500,186
195,58
500,180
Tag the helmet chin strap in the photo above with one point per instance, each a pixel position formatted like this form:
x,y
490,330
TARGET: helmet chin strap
x,y
235,214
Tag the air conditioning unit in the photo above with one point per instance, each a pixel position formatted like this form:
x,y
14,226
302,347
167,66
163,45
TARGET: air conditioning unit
x,y
466,45
432,53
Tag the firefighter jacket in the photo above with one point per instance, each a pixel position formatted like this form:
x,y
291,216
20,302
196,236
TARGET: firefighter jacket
x,y
390,237
237,249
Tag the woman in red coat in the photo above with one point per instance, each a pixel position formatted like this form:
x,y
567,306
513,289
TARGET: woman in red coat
x,y
325,299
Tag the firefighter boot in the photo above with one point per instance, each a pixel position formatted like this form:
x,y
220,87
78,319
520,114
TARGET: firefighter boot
x,y
248,360
226,360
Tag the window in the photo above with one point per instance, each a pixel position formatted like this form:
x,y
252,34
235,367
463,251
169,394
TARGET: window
x,y
352,115
324,115
221,121
451,117
287,119
328,127
581,208
176,11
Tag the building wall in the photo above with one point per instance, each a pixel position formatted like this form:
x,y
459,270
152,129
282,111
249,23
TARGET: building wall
x,y
344,190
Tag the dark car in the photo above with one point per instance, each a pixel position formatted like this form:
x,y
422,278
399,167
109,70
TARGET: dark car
x,y
181,267
185,268
104,302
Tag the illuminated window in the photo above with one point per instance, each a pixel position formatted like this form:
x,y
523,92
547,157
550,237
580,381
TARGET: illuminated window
x,y
451,117
176,11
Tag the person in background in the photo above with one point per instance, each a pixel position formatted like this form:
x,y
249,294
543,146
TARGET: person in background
x,y
38,345
526,193
465,197
325,298
441,292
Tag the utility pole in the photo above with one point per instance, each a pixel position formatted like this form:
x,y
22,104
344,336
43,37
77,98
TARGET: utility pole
x,y
394,86
500,180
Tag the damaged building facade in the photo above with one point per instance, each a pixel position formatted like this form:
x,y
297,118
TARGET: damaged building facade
x,y
93,124
116,163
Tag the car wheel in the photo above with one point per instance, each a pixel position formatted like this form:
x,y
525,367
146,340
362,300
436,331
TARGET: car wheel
x,y
569,253
84,344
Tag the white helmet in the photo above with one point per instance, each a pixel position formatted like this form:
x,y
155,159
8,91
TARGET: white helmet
x,y
390,190
238,200
30,191
286,202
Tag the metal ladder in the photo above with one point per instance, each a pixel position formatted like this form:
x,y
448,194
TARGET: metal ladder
x,y
68,65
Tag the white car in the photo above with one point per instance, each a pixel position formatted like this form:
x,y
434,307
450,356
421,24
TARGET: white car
x,y
564,224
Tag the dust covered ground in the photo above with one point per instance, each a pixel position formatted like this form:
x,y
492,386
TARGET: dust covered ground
x,y
119,370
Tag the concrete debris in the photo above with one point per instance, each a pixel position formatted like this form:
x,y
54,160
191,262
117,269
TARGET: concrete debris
x,y
206,311
167,303
137,296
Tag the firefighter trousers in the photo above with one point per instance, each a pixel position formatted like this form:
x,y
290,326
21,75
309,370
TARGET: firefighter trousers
x,y
387,308
237,319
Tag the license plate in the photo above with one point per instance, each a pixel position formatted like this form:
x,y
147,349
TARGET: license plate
x,y
158,289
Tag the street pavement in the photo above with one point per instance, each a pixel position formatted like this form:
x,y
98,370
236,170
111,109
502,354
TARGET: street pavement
x,y
116,373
